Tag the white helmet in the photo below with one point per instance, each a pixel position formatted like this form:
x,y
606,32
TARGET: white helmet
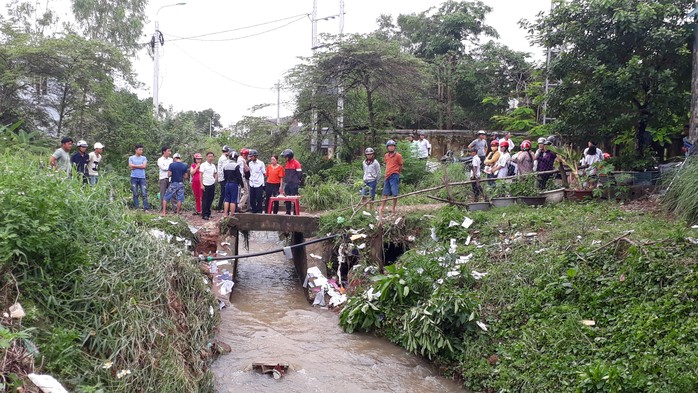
x,y
369,150
82,143
541,140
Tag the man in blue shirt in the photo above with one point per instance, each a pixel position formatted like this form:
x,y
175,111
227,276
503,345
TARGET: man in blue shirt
x,y
137,164
177,172
81,160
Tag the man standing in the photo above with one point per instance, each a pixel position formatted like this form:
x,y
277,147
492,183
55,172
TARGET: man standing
x,y
60,159
81,160
222,160
257,172
137,164
393,168
243,206
414,146
423,147
507,138
372,170
475,173
177,172
480,144
546,161
292,176
209,176
233,179
163,174
93,164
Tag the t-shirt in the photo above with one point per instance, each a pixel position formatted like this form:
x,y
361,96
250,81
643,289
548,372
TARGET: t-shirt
x,y
81,162
274,175
293,172
475,169
178,170
257,171
414,147
371,170
546,161
423,147
481,145
93,165
164,165
222,160
207,173
393,164
231,173
138,160
62,160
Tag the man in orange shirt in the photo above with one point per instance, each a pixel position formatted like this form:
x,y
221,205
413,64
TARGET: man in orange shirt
x,y
393,168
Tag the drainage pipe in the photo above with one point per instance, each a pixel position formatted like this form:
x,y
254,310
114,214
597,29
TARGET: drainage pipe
x,y
286,250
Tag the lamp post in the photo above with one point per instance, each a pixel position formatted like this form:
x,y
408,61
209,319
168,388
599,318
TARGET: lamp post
x,y
156,42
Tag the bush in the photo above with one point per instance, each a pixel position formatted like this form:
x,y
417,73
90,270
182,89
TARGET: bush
x,y
680,197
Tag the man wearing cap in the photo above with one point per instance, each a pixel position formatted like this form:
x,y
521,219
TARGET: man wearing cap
x,y
163,174
423,147
480,144
137,164
256,181
93,164
177,172
243,206
222,160
81,160
60,159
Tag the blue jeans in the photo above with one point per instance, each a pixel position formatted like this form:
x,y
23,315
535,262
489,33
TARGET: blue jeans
x,y
93,179
137,183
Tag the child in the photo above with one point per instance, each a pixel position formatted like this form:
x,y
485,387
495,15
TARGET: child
x,y
475,174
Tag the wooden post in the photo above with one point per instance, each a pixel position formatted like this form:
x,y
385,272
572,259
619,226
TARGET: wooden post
x,y
299,256
236,248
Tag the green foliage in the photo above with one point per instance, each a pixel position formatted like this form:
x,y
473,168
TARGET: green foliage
x,y
99,289
680,197
325,195
521,119
524,186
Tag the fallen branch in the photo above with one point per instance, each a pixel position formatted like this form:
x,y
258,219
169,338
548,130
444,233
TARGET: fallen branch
x,y
447,201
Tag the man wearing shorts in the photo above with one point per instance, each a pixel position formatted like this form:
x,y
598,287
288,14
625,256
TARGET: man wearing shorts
x,y
177,172
393,168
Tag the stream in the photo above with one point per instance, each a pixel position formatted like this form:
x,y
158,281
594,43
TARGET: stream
x,y
270,321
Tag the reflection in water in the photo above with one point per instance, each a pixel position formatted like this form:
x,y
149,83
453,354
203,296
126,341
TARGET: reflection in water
x,y
270,321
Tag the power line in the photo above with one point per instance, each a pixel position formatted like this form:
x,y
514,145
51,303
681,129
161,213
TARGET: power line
x,y
195,37
218,73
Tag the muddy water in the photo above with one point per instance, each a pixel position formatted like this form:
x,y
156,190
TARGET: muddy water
x,y
270,321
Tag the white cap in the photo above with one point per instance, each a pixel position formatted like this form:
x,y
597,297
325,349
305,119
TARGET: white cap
x,y
82,143
99,146
481,132
176,155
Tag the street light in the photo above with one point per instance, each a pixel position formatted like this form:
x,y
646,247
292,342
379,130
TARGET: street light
x,y
157,41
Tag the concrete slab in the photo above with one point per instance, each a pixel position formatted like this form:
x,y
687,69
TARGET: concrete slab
x,y
274,222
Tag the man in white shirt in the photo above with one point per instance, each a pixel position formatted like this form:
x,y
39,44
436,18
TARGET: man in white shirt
x,y
423,147
257,172
475,173
209,175
507,138
244,194
93,165
222,160
163,166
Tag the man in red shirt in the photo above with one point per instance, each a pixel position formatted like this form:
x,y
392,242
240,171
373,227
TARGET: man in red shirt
x,y
292,177
393,168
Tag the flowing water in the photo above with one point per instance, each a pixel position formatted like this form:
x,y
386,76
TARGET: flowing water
x,y
270,321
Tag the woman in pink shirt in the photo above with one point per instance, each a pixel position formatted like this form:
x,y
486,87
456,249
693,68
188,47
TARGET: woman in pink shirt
x,y
196,186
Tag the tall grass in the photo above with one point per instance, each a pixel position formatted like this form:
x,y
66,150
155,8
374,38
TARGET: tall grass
x,y
680,197
103,294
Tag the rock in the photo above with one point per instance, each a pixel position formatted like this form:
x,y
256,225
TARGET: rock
x,y
208,239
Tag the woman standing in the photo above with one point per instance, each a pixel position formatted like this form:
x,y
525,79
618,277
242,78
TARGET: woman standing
x,y
491,160
195,172
501,168
524,159
275,173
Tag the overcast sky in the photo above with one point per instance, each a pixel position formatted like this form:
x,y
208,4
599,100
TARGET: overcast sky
x,y
240,68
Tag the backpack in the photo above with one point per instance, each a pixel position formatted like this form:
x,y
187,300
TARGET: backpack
x,y
511,169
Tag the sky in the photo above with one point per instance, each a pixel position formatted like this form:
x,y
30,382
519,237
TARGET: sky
x,y
239,69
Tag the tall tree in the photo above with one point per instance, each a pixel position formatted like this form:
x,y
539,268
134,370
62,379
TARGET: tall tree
x,y
119,22
624,65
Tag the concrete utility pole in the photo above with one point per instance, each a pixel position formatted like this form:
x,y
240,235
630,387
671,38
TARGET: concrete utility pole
x,y
157,41
693,127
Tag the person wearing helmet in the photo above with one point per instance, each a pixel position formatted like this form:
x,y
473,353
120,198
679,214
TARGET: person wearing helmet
x,y
292,176
275,173
243,204
501,168
137,164
177,172
423,147
81,160
491,160
222,160
60,159
163,175
507,138
372,171
256,181
196,186
93,164
393,169
524,159
546,160
233,181
481,144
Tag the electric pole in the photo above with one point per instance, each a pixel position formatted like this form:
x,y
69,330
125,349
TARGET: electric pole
x,y
157,41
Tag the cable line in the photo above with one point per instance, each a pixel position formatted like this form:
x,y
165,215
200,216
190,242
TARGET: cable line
x,y
195,37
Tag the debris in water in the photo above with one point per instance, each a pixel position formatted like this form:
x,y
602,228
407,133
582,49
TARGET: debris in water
x,y
276,370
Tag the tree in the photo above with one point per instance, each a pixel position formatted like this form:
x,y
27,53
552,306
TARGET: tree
x,y
624,65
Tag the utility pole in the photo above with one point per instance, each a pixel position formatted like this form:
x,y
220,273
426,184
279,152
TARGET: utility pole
x,y
157,41
210,127
550,53
693,127
340,88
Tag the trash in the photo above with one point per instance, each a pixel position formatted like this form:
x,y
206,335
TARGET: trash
x,y
221,304
477,275
433,234
225,243
17,311
440,281
210,310
288,253
365,213
463,259
180,239
398,221
595,242
361,246
467,241
531,234
467,222
540,251
481,325
226,287
452,224
160,235
221,253
276,370
193,229
371,226
173,222
355,231
411,238
622,278
47,383
358,236
453,247
588,322
692,240
315,256
453,273
123,373
694,227
370,295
